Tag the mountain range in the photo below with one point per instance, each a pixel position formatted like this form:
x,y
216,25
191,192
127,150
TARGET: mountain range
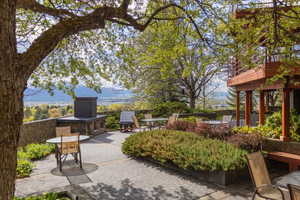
x,y
39,96
108,95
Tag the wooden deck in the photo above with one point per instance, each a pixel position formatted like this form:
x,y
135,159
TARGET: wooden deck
x,y
251,12
256,77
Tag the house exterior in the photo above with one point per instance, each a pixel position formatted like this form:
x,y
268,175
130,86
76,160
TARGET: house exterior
x,y
286,66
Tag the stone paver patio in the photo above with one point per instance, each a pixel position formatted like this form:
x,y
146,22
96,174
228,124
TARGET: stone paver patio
x,y
119,177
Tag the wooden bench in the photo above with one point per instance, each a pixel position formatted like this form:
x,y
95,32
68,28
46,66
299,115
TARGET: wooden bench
x,y
292,159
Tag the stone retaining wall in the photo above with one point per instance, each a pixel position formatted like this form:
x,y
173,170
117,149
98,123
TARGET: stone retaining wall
x,y
37,131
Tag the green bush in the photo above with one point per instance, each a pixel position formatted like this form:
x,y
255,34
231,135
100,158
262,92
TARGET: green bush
x,y
273,127
201,110
185,150
112,122
38,151
24,168
168,108
48,196
31,152
190,119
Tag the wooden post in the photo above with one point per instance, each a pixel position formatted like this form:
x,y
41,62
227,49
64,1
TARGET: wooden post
x,y
285,114
251,102
267,102
237,113
248,108
262,109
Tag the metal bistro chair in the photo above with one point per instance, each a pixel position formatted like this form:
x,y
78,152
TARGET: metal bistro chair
x,y
66,148
261,179
294,191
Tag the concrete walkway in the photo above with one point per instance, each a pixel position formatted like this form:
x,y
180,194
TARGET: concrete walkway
x,y
118,177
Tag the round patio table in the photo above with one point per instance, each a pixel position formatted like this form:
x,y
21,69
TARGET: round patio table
x,y
159,119
291,178
57,140
151,121
215,122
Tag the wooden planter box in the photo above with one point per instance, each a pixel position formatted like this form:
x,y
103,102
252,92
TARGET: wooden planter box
x,y
222,178
278,145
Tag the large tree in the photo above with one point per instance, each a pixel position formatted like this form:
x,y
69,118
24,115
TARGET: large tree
x,y
168,56
31,31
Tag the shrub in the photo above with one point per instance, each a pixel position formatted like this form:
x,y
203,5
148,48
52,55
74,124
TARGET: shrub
x,y
190,119
182,126
48,196
28,153
167,108
273,127
22,155
185,150
112,122
38,151
220,132
249,142
202,128
24,168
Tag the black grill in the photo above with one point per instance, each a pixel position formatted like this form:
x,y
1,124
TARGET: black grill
x,y
85,107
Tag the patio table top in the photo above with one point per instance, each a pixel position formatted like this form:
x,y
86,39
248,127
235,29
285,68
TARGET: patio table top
x,y
57,140
291,178
155,119
215,122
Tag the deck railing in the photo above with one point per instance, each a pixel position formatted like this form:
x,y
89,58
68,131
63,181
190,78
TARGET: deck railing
x,y
263,4
237,66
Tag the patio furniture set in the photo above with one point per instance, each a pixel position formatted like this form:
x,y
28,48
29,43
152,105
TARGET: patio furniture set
x,y
67,143
288,186
128,121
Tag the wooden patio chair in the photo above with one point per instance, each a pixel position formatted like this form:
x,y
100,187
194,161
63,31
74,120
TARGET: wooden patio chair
x,y
137,124
170,121
149,124
261,179
63,131
294,191
176,115
69,148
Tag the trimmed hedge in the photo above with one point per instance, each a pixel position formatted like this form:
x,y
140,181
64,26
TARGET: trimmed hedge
x,y
185,150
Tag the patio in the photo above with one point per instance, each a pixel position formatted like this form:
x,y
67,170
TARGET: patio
x,y
118,177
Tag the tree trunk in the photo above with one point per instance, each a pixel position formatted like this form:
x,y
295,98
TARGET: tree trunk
x,y
11,99
192,102
11,106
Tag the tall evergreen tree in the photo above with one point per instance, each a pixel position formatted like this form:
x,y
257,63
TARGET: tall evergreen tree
x,y
231,98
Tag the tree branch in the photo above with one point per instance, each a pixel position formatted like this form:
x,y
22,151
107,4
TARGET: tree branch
x,y
48,40
36,7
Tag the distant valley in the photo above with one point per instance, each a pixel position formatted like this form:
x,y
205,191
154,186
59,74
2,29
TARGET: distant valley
x,y
34,96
